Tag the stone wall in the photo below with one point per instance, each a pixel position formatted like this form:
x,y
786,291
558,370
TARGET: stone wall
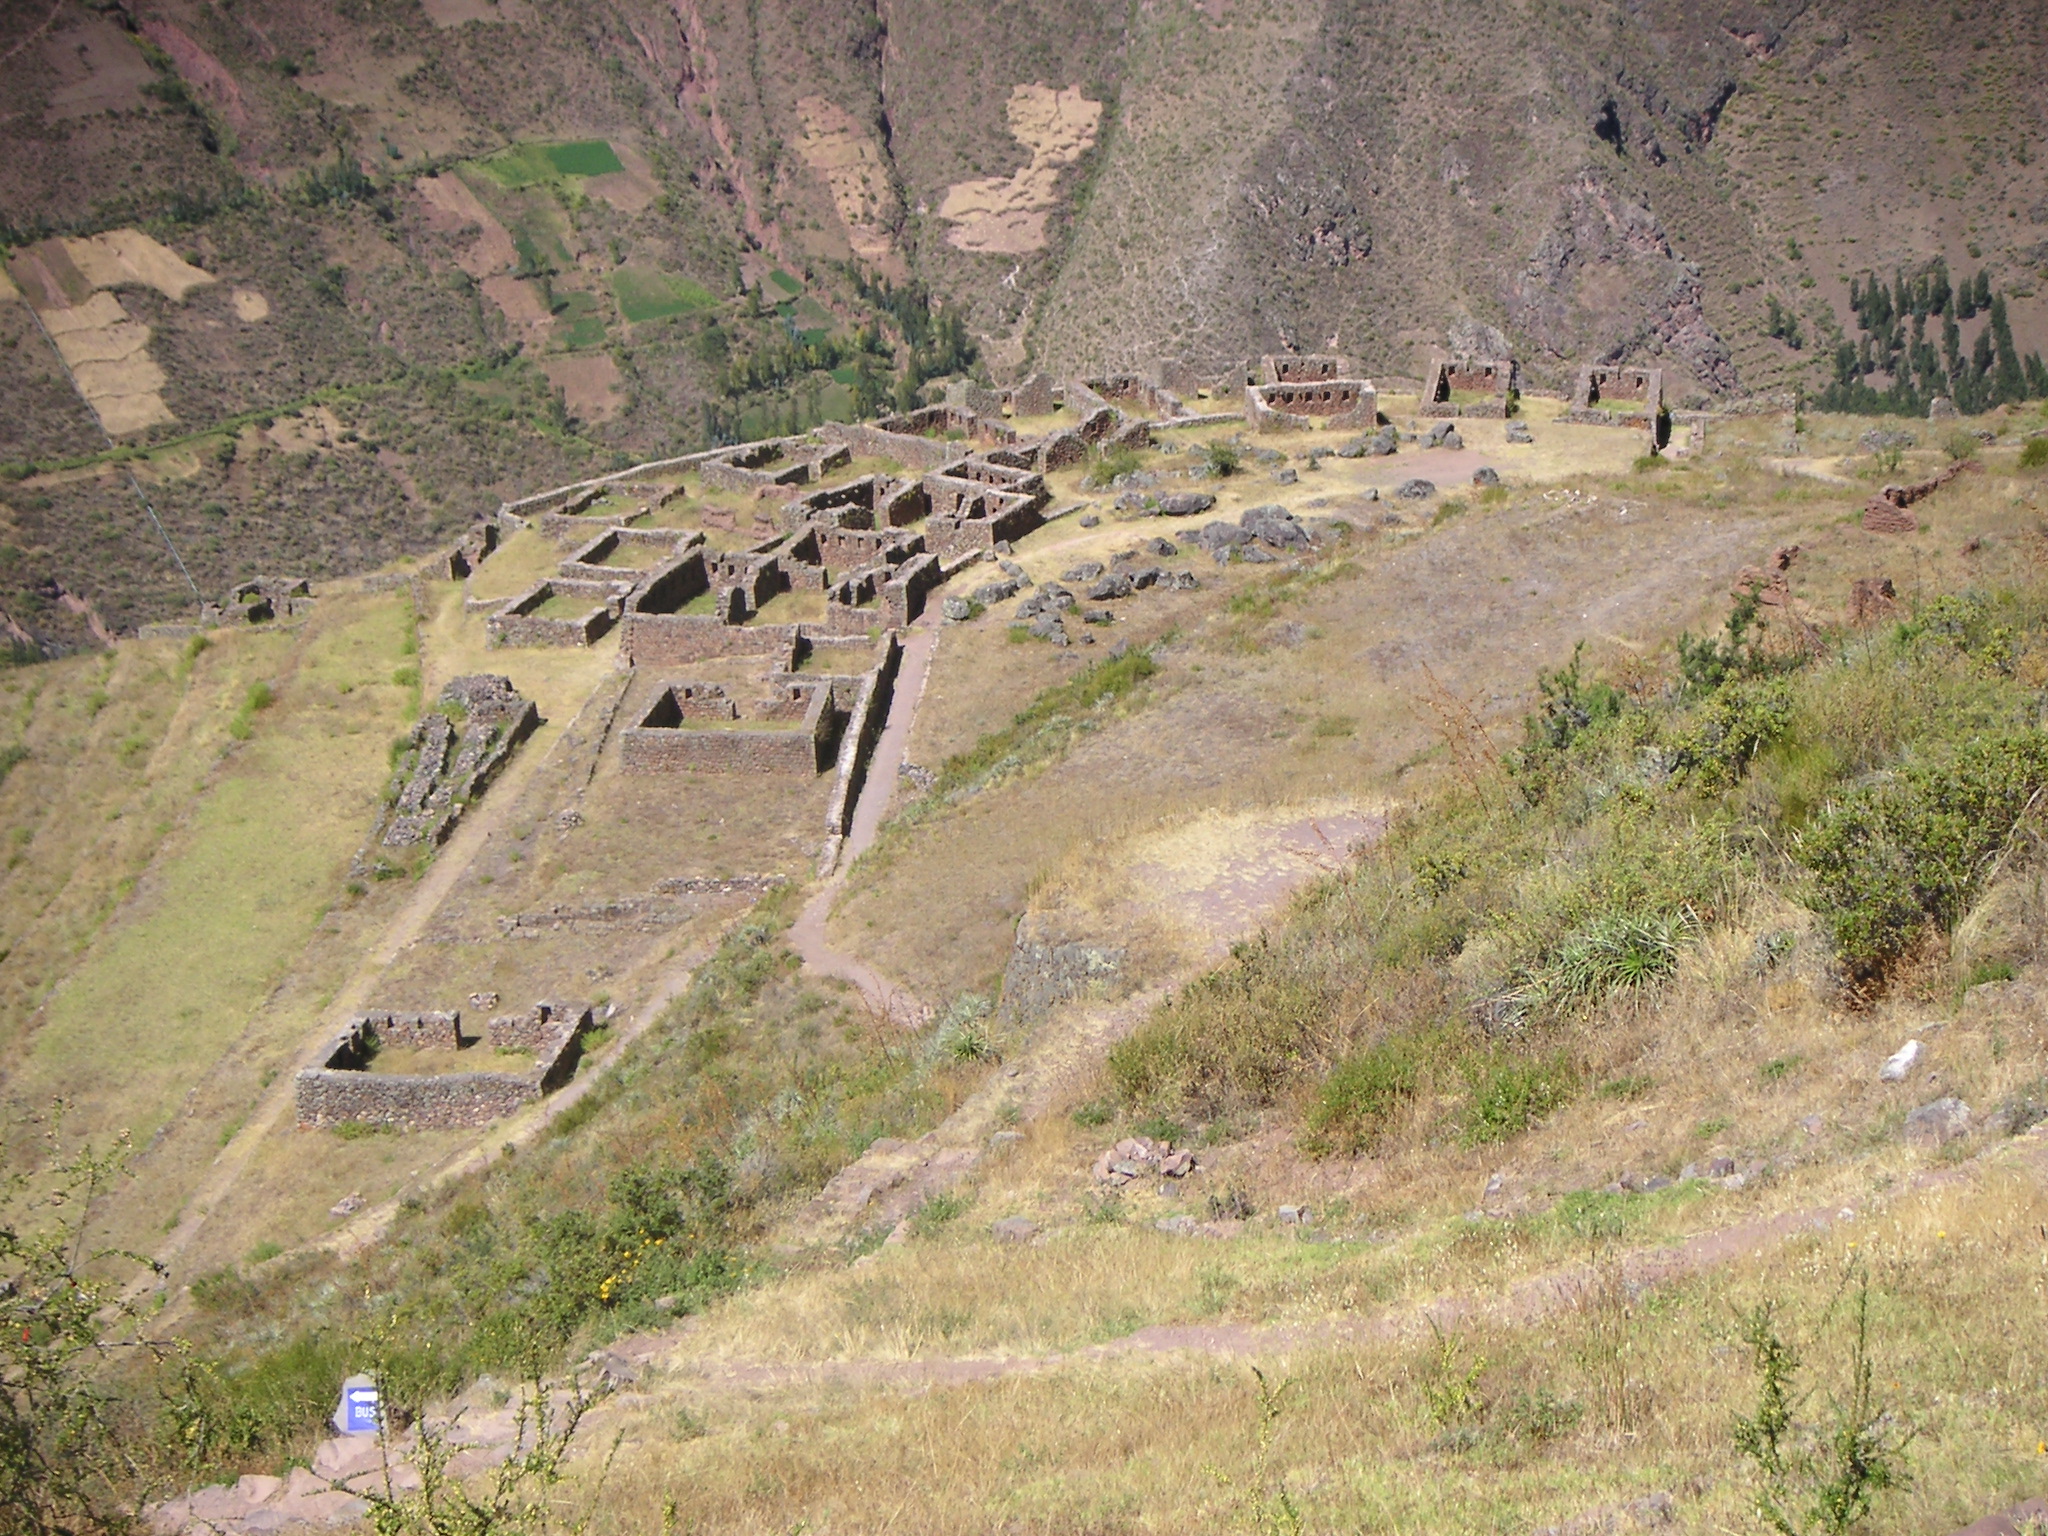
x,y
903,597
876,442
1034,397
450,763
663,743
1494,376
673,639
1050,964
516,624
864,723
1305,369
1641,389
340,1092
1337,403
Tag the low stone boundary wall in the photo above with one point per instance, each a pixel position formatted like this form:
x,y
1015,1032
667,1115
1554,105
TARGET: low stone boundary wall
x,y
341,1092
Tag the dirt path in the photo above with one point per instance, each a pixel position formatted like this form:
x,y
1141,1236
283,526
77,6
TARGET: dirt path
x,y
471,836
1520,1303
807,935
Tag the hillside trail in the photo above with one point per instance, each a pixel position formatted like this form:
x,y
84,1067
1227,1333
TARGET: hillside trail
x,y
471,836
1519,1303
883,997
1215,881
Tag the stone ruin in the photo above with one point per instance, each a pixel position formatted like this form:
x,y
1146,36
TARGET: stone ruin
x,y
1300,393
261,600
795,730
1886,511
1450,377
1617,397
346,1089
454,752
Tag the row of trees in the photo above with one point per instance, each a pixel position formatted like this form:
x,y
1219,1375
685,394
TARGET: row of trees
x,y
1900,322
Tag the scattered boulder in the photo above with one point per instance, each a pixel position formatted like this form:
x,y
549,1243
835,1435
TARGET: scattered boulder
x,y
1015,1229
1286,477
1047,626
1089,520
1900,1062
1087,570
1518,432
1109,587
1012,568
1185,503
1440,435
1485,474
1292,1215
1251,554
1415,490
1147,576
1938,1123
994,592
958,609
1179,1226
347,1205
1095,615
1276,526
1220,535
1166,549
1183,581
1941,408
1384,443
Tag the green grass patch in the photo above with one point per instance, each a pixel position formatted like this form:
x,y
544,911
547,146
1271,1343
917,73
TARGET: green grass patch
x,y
526,165
645,294
785,282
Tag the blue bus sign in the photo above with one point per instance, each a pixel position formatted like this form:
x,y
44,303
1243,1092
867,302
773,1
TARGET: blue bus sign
x,y
357,1414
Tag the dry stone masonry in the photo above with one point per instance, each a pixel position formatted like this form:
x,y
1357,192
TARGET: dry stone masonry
x,y
1449,377
454,752
346,1089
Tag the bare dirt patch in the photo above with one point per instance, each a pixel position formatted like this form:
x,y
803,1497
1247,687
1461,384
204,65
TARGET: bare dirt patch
x,y
453,208
108,355
250,306
632,190
98,69
589,383
1005,215
846,156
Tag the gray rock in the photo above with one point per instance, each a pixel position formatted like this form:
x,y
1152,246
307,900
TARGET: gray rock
x,y
1135,501
1002,547
1047,626
1485,474
1089,520
1185,503
1451,439
1166,549
1384,443
1012,568
1221,535
1370,493
1415,490
1251,554
1087,570
1266,456
1518,432
1112,586
994,592
1438,433
1938,1123
1179,1226
1015,1229
1291,1215
1184,581
958,609
1286,477
1146,576
1720,1167
1096,615
1276,526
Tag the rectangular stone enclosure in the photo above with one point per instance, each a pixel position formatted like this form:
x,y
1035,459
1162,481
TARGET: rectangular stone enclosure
x,y
345,1089
1451,377
1344,404
691,727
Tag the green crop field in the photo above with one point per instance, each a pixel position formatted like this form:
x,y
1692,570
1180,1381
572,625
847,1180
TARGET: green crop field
x,y
645,294
525,165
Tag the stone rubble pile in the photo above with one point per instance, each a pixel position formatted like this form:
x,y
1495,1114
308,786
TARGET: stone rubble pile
x,y
1138,1157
